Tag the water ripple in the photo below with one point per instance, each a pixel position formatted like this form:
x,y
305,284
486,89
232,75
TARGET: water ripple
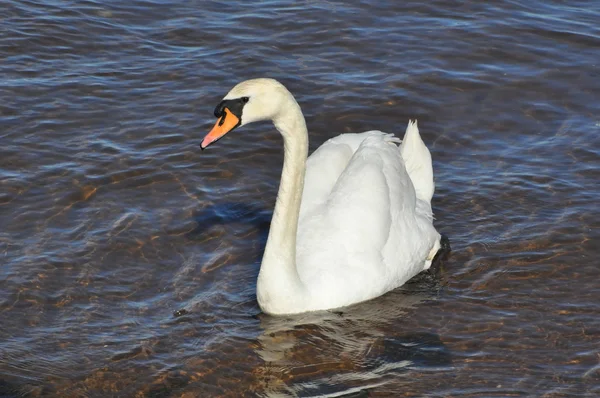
x,y
129,257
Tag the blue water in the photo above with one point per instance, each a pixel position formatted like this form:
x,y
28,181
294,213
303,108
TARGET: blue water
x,y
129,257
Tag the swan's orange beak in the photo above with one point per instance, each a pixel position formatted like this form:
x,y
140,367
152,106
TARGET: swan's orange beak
x,y
224,125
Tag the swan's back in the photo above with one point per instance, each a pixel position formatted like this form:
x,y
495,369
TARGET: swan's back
x,y
365,221
325,165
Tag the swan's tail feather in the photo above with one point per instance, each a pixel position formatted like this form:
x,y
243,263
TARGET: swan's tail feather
x,y
418,162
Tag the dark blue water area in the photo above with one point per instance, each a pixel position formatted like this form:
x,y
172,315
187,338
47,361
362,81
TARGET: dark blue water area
x,y
129,258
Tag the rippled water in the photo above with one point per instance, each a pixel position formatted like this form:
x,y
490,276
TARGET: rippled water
x,y
129,257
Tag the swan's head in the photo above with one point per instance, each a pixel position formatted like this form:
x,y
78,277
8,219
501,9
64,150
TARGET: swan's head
x,y
249,101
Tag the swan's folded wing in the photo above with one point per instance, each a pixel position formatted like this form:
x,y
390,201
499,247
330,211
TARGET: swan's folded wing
x,y
359,209
325,166
323,169
365,237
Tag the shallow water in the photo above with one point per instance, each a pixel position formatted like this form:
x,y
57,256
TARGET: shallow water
x,y
129,257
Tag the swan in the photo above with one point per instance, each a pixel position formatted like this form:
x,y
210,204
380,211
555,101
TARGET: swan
x,y
351,222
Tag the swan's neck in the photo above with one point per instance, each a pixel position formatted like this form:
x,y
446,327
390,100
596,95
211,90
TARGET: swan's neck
x,y
279,288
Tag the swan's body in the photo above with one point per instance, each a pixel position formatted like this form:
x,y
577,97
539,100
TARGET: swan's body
x,y
351,222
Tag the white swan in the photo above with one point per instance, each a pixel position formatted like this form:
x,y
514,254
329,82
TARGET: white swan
x,y
351,222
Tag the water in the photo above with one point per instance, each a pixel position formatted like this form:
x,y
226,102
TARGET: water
x,y
129,257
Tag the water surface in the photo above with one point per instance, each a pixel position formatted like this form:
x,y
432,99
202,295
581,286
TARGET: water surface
x,y
129,257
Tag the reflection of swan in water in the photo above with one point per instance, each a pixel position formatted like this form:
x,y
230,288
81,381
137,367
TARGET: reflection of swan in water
x,y
346,353
340,352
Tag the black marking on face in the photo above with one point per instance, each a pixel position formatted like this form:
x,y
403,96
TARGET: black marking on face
x,y
235,106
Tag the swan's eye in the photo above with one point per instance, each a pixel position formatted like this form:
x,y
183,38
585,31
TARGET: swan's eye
x,y
245,99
